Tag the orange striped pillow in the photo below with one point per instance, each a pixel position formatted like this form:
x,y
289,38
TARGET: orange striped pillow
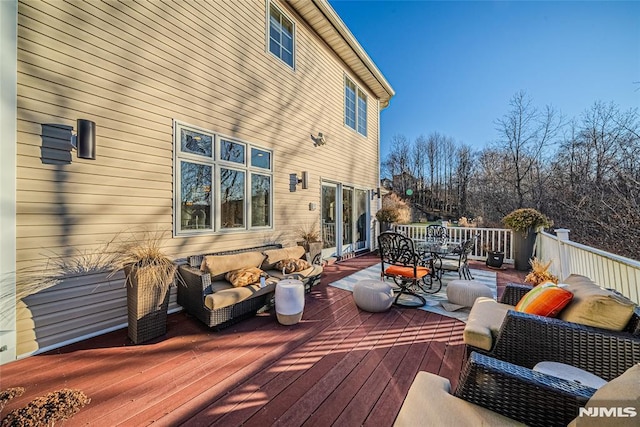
x,y
544,300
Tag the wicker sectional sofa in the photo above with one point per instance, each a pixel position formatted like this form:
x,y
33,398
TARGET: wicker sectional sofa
x,y
217,303
496,329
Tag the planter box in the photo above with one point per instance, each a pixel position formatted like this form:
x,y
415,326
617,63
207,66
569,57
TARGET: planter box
x,y
314,249
523,243
147,306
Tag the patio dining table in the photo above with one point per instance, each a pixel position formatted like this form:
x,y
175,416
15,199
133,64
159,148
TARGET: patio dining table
x,y
434,251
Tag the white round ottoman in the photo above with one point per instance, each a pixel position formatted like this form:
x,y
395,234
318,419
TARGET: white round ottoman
x,y
373,295
465,292
289,301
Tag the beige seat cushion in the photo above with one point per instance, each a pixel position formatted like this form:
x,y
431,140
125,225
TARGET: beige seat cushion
x,y
484,322
218,265
594,306
225,294
621,392
275,255
430,403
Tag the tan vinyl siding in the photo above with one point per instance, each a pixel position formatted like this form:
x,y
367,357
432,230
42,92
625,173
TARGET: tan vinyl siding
x,y
134,68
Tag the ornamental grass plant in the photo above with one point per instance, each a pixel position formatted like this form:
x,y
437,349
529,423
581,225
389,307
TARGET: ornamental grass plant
x,y
143,250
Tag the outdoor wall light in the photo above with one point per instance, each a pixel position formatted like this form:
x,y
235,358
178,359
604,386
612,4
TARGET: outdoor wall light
x,y
294,181
318,140
375,193
84,141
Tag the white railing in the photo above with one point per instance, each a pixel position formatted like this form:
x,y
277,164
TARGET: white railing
x,y
493,239
606,269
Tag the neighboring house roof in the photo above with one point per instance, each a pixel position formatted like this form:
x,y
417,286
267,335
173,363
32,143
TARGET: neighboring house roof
x,y
326,22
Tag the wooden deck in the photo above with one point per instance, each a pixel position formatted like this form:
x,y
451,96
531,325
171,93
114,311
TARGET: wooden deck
x,y
339,366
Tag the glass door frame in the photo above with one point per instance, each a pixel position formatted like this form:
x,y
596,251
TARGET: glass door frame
x,y
340,248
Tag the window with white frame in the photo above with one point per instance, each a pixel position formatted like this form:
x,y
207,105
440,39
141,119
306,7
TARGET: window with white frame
x,y
355,107
221,183
281,31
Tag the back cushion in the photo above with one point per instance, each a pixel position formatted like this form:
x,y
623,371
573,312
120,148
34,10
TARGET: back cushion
x,y
619,393
594,306
218,265
275,255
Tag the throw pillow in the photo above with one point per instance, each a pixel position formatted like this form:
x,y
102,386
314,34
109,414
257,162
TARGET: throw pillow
x,y
291,265
275,255
544,300
243,276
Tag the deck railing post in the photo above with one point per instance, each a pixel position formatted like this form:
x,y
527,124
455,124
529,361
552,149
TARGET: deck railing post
x,y
563,252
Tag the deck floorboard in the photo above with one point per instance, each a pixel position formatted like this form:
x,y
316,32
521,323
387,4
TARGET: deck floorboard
x,y
339,366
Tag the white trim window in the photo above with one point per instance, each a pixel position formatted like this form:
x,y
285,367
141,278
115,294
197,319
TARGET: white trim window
x,y
355,107
221,184
281,35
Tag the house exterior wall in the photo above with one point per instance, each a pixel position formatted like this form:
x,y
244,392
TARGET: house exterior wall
x,y
134,68
8,83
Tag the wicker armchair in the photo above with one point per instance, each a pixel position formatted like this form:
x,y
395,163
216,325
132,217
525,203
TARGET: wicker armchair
x,y
499,389
527,339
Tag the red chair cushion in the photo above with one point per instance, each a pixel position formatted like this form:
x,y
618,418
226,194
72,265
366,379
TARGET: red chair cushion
x,y
397,270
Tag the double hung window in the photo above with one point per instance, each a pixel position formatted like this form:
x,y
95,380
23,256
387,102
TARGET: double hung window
x,y
355,107
281,31
221,183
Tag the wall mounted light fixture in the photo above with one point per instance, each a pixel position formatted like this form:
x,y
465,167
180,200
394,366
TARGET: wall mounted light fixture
x,y
84,141
318,140
375,193
294,181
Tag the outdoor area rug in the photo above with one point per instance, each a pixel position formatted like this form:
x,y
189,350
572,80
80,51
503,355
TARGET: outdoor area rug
x,y
434,301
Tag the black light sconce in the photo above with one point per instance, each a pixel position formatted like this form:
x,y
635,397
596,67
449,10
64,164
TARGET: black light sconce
x,y
85,139
375,193
294,181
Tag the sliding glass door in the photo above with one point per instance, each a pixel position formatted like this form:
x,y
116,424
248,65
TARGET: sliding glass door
x,y
345,220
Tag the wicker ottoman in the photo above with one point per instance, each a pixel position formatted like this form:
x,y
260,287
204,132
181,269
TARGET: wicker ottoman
x,y
372,295
465,292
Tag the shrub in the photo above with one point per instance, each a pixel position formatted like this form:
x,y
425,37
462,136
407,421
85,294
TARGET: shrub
x,y
525,219
388,215
394,210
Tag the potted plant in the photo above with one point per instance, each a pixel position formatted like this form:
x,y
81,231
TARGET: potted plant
x,y
310,240
525,222
149,274
387,216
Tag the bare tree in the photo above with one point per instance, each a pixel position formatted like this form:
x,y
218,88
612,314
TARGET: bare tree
x,y
595,190
463,173
524,134
398,163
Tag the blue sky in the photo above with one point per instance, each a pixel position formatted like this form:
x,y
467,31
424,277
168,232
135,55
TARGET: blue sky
x,y
455,65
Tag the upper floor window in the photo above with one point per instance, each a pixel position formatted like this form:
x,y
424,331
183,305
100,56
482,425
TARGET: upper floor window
x,y
221,183
281,32
355,107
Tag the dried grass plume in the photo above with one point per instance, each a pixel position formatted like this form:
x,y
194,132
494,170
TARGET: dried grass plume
x,y
540,273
